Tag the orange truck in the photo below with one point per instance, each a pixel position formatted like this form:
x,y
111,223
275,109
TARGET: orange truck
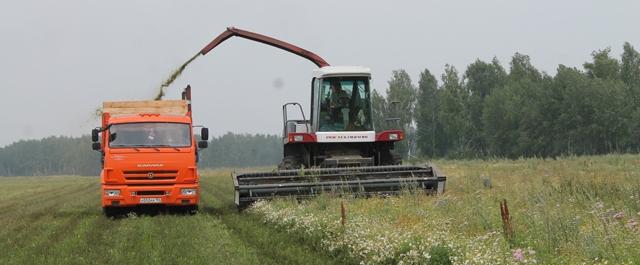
x,y
149,154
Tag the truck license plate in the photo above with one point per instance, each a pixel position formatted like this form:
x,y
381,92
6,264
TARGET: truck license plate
x,y
150,200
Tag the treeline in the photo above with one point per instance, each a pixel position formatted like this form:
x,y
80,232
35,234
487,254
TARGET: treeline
x,y
56,155
242,150
487,111
60,155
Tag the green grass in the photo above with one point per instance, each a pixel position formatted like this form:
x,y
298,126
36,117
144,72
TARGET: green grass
x,y
568,211
58,220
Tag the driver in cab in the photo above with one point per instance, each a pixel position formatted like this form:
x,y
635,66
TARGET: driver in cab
x,y
338,104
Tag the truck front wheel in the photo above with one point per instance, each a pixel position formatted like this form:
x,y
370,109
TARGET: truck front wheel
x,y
110,212
191,209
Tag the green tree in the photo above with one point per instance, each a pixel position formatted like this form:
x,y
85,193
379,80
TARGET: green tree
x,y
454,115
603,66
242,150
54,155
522,69
500,121
427,124
630,75
402,92
505,108
379,111
591,119
630,68
481,79
401,100
60,155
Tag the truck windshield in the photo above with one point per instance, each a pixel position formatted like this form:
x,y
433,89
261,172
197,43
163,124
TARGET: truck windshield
x,y
345,104
150,134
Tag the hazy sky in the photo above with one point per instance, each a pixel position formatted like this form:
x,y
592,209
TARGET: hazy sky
x,y
60,59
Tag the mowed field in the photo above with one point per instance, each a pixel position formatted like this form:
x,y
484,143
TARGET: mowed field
x,y
58,220
575,210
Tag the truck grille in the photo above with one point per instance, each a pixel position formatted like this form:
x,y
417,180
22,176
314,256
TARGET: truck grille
x,y
150,192
150,176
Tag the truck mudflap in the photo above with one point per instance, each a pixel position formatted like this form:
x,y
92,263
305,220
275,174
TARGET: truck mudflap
x,y
358,181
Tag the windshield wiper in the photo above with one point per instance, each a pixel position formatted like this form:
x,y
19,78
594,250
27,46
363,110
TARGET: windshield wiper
x,y
134,147
168,146
154,146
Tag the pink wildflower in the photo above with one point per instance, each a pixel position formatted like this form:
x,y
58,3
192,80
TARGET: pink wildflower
x,y
518,255
618,215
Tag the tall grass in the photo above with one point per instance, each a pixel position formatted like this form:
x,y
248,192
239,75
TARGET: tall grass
x,y
568,211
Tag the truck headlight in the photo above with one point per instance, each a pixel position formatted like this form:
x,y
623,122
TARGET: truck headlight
x,y
393,136
188,192
298,138
112,193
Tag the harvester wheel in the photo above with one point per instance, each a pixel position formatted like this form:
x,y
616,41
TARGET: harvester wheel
x,y
396,159
243,206
390,158
289,162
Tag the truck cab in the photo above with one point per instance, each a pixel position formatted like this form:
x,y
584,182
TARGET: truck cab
x,y
149,154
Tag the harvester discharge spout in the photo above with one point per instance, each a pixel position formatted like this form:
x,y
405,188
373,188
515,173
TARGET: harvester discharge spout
x,y
231,31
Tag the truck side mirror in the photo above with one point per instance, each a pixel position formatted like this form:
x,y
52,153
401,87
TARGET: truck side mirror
x,y
203,144
95,135
204,134
96,146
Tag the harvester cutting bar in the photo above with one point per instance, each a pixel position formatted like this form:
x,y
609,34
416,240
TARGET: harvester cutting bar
x,y
305,183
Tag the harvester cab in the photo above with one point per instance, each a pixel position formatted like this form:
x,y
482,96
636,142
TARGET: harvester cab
x,y
340,131
336,149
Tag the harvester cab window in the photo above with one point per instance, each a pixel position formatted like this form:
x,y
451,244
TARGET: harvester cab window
x,y
344,105
150,134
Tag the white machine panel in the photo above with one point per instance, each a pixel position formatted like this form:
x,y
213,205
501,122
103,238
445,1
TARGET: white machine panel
x,y
346,137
